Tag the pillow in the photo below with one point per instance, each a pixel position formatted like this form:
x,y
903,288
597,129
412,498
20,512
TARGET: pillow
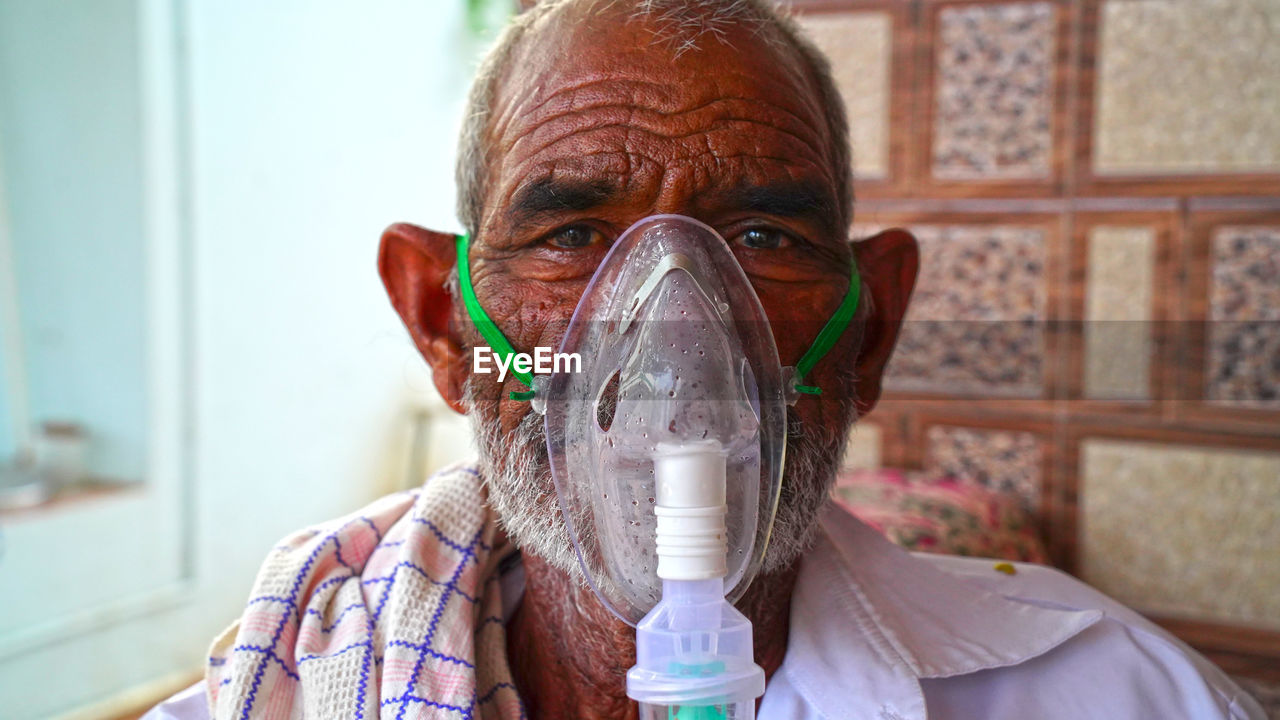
x,y
941,515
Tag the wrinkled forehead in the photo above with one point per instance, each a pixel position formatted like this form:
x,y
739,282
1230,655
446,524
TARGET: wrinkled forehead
x,y
636,100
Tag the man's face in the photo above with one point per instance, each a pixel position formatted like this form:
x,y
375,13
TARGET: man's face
x,y
597,125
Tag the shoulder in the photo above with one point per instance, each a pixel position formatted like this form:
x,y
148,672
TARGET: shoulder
x,y
1125,662
1035,583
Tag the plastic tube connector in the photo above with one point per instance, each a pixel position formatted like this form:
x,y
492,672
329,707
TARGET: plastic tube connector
x,y
692,541
694,654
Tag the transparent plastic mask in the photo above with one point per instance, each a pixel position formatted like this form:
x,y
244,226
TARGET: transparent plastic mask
x,y
676,353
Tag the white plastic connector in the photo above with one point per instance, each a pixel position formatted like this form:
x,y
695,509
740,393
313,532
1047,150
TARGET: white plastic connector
x,y
690,508
693,650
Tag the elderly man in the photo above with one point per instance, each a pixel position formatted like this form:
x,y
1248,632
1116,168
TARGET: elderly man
x,y
464,598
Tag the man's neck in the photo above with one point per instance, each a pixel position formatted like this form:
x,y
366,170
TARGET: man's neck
x,y
569,655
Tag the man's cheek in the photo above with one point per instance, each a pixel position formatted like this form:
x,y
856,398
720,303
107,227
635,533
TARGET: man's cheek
x,y
797,314
535,312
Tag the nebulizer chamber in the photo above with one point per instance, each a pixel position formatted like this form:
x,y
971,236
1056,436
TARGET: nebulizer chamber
x,y
694,654
666,451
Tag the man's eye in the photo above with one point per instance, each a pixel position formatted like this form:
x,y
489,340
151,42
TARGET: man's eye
x,y
764,239
574,237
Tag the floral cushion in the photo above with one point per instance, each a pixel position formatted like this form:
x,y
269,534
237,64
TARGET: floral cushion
x,y
941,515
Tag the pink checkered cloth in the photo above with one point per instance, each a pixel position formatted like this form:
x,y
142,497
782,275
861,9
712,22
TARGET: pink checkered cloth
x,y
392,612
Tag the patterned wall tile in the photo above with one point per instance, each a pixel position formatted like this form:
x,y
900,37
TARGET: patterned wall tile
x,y
974,325
860,46
1118,309
1187,87
1244,313
1003,460
1182,531
866,440
994,94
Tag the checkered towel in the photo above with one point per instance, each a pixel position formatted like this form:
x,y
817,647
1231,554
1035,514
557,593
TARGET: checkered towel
x,y
392,612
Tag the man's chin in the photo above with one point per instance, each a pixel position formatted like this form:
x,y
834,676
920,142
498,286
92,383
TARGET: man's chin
x,y
517,474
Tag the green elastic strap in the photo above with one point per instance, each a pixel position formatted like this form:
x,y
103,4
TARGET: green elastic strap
x,y
488,329
831,332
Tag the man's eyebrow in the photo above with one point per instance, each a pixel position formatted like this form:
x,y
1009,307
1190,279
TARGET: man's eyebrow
x,y
549,195
785,199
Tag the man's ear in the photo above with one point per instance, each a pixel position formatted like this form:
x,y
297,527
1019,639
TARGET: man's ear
x,y
888,263
414,264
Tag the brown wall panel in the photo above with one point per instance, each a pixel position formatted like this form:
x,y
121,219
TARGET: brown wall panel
x,y
1164,82
995,85
1192,241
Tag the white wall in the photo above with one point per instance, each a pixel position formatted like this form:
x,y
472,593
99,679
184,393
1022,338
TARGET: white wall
x,y
315,126
311,126
70,153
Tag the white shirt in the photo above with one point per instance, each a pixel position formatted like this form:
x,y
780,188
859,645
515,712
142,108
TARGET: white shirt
x,y
878,633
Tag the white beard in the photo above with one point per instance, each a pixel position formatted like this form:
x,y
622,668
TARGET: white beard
x,y
517,474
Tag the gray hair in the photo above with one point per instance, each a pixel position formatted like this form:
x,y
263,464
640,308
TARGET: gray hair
x,y
681,21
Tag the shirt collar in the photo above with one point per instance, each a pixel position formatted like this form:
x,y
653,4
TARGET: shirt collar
x,y
903,620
